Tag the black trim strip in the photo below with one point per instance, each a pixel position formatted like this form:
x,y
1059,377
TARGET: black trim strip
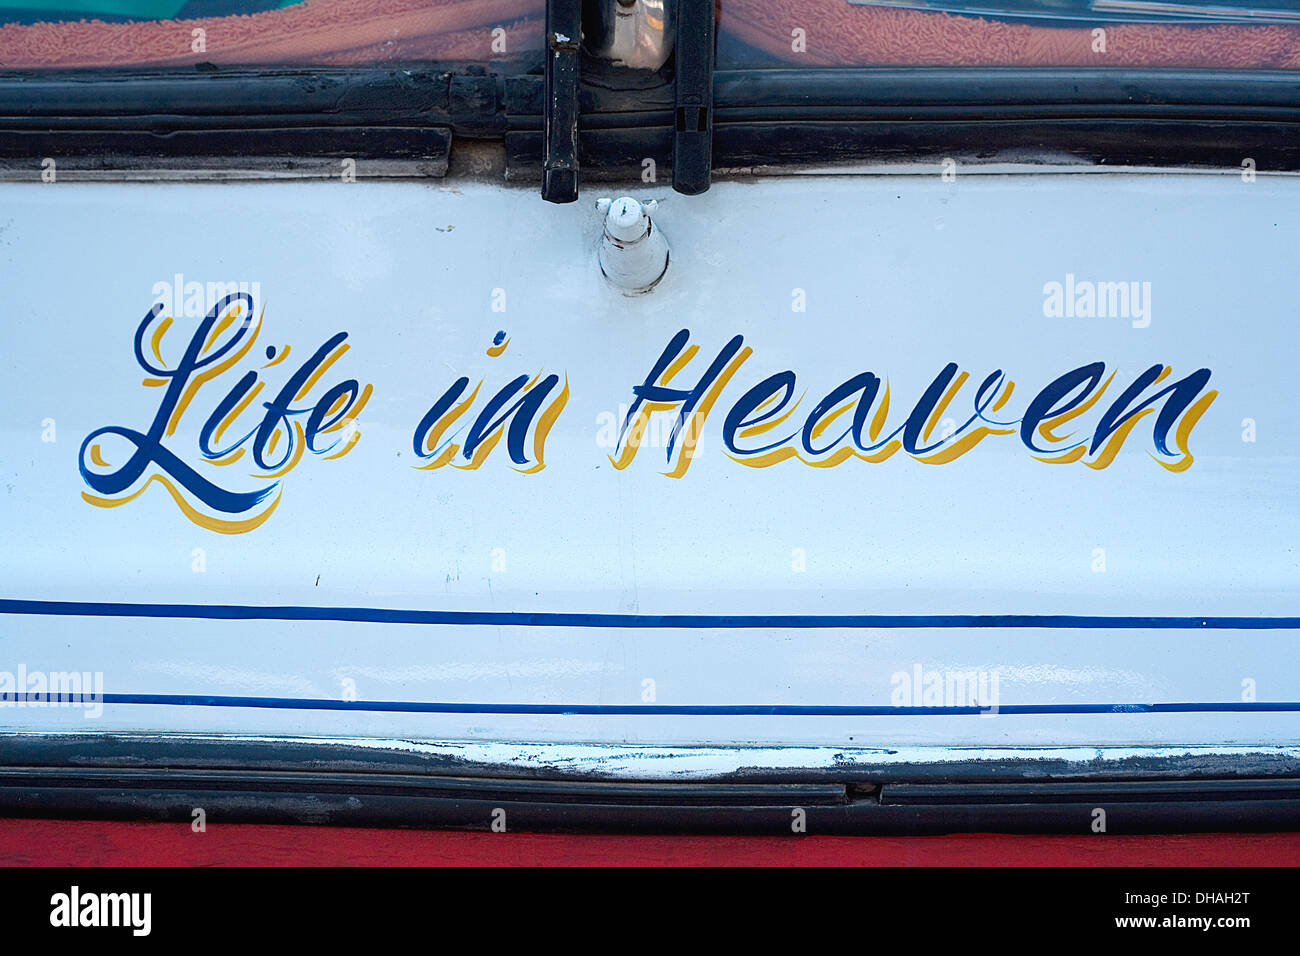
x,y
116,120
359,799
961,88
1122,791
782,118
293,148
1213,118
326,94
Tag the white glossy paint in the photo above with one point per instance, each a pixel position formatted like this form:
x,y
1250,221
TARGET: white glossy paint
x,y
900,274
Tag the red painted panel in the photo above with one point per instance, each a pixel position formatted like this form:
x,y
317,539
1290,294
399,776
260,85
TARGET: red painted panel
x,y
103,843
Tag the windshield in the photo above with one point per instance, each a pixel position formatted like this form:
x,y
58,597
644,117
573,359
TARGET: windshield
x,y
54,34
1234,34
1264,34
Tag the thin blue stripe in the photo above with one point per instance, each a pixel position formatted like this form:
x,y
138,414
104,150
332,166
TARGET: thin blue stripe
x,y
235,612
721,710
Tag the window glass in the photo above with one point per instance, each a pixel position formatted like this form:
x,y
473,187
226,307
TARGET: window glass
x,y
70,34
1219,34
1232,34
